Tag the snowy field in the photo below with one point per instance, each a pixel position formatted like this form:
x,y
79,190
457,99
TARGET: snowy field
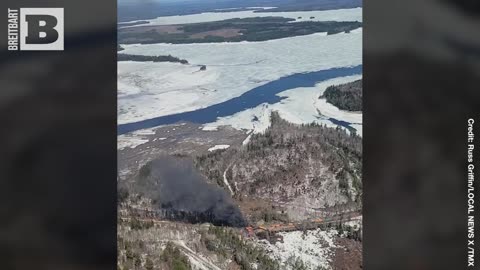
x,y
314,248
301,105
148,90
134,139
218,147
351,14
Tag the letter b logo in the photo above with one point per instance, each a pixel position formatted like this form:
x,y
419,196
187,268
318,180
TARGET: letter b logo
x,y
41,29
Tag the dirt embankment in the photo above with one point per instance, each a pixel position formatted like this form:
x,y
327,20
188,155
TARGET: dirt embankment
x,y
224,32
348,254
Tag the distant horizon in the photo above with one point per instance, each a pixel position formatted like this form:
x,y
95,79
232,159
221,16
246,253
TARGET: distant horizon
x,y
168,1
132,10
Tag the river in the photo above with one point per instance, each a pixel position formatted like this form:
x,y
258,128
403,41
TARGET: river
x,y
266,93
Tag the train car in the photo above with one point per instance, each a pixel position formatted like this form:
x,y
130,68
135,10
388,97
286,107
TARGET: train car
x,y
249,232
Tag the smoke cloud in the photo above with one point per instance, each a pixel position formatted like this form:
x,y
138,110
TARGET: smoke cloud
x,y
176,186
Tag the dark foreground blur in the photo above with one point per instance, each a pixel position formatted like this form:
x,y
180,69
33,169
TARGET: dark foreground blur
x,y
58,145
58,139
422,83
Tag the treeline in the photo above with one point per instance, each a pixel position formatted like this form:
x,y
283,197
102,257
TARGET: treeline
x,y
275,164
250,29
346,96
132,23
146,58
226,242
146,251
132,256
309,5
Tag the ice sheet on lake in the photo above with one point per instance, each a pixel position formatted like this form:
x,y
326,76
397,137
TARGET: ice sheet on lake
x,y
148,90
300,106
351,14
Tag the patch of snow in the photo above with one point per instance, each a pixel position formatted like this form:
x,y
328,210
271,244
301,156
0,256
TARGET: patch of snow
x,y
134,139
198,261
143,132
225,180
351,14
355,223
247,140
209,128
314,248
147,90
218,147
123,173
124,141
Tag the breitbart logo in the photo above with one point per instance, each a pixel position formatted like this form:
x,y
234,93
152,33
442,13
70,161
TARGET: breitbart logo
x,y
35,29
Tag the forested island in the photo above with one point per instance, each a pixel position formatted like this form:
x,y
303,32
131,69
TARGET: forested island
x,y
309,5
346,96
232,30
147,58
125,24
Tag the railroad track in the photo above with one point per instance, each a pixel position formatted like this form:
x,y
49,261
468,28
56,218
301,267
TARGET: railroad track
x,y
304,225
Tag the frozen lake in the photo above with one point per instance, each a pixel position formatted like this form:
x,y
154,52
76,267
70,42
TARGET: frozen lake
x,y
351,14
243,80
266,93
148,90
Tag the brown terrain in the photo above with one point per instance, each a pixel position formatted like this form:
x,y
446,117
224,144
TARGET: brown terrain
x,y
348,254
177,29
262,213
161,29
225,32
176,139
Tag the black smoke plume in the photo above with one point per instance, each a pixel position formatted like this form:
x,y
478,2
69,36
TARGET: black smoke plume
x,y
179,192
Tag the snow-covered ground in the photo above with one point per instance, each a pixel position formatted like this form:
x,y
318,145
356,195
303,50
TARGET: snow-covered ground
x,y
134,139
314,248
197,261
356,223
218,147
351,14
148,90
301,105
